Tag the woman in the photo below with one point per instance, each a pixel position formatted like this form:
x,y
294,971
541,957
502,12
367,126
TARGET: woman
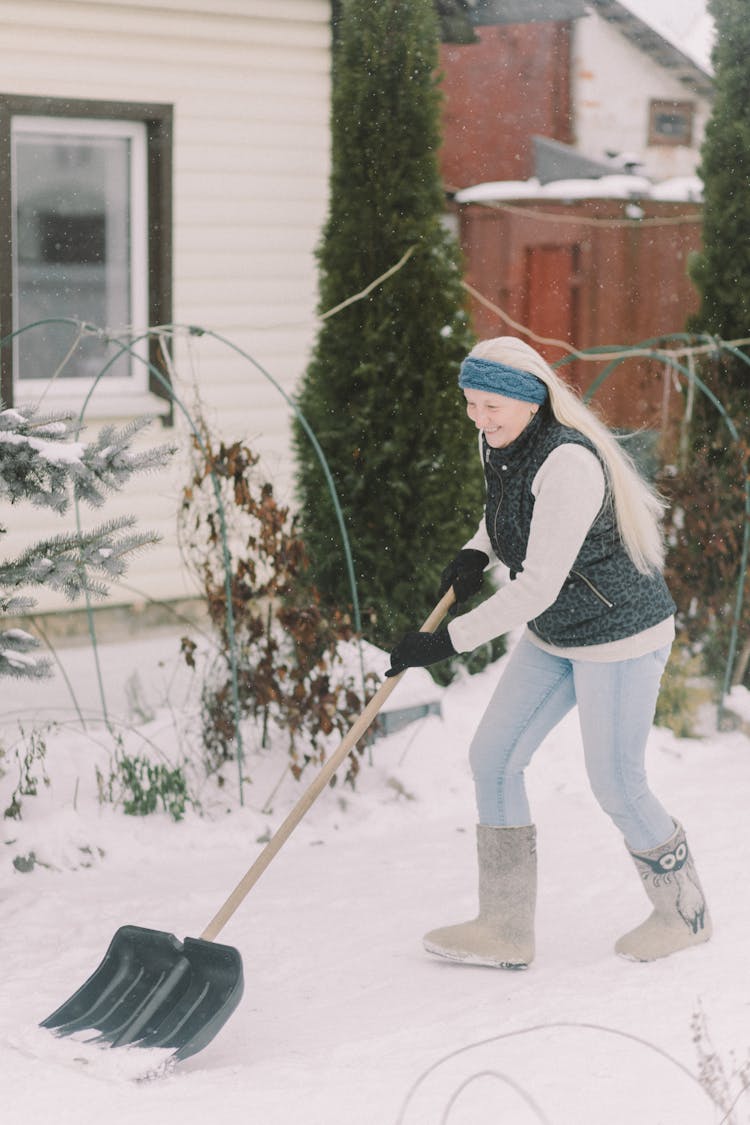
x,y
578,529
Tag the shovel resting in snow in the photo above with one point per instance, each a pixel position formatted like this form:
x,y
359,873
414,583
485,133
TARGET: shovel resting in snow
x,y
152,990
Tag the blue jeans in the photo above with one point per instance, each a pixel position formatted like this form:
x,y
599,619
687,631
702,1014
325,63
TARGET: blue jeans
x,y
616,704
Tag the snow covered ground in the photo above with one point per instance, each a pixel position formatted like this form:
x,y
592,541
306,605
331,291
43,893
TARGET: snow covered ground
x,y
345,1019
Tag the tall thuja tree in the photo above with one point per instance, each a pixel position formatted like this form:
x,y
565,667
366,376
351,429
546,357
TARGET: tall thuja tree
x,y
454,20
44,463
706,518
380,393
722,270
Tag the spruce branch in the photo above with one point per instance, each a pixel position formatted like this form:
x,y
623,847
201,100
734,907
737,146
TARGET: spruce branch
x,y
109,461
65,562
44,461
15,646
41,457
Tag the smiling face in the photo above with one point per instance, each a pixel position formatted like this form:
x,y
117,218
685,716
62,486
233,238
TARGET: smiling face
x,y
501,418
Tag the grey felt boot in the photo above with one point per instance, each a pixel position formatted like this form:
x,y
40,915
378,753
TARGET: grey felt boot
x,y
680,917
502,935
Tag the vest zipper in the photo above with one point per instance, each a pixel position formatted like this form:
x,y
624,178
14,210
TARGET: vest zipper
x,y
592,587
502,493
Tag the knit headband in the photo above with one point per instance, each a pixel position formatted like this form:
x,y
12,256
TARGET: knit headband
x,y
499,379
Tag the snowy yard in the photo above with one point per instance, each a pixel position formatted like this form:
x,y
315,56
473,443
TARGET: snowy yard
x,y
345,1019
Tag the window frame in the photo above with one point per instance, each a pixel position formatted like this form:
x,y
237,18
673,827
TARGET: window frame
x,y
662,105
158,121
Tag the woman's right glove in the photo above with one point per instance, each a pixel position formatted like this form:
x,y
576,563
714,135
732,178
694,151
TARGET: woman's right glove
x,y
465,574
417,650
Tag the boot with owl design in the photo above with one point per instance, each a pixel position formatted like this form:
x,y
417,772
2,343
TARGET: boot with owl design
x,y
680,917
502,935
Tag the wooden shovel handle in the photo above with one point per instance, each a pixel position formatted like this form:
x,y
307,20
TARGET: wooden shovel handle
x,y
282,834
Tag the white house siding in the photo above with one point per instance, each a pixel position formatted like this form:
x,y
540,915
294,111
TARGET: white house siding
x,y
613,83
249,83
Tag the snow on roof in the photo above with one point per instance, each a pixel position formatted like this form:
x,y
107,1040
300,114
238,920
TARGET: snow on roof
x,y
680,189
686,189
499,189
604,187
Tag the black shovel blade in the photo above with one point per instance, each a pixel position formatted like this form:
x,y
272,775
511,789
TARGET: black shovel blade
x,y
152,990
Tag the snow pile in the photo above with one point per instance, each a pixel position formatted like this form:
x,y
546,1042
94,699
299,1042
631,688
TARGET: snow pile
x,y
738,701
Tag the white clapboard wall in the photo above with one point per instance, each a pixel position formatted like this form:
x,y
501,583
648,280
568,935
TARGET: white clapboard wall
x,y
249,81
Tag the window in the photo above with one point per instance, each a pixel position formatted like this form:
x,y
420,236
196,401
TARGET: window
x,y
78,195
85,193
670,123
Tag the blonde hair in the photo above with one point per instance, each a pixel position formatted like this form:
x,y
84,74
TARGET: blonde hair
x,y
638,507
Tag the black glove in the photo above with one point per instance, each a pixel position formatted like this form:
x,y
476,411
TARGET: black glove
x,y
416,650
465,574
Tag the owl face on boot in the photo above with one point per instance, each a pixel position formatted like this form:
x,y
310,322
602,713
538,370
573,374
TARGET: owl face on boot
x,y
668,862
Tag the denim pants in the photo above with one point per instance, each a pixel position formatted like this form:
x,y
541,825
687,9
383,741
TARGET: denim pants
x,y
616,703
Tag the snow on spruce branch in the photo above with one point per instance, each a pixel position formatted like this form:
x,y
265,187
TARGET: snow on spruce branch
x,y
44,462
41,458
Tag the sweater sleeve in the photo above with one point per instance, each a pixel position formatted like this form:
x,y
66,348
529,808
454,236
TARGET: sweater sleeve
x,y
569,489
480,541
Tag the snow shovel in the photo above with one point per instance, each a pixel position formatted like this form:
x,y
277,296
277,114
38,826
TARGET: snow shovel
x,y
152,990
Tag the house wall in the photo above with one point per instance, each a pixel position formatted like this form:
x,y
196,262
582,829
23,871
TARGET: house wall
x,y
613,83
580,82
583,274
249,83
514,82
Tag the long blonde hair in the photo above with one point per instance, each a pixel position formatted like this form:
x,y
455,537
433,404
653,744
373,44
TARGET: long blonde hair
x,y
638,507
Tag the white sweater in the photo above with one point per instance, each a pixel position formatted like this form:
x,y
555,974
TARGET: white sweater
x,y
569,490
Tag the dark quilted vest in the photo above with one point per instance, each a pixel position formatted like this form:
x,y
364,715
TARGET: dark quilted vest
x,y
605,597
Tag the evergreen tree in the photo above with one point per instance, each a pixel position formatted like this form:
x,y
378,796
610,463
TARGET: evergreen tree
x,y
455,21
707,499
380,393
722,270
43,462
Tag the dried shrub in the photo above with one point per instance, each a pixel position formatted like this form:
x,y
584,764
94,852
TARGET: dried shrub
x,y
290,672
725,1083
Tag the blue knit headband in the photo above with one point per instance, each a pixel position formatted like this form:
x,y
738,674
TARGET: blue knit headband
x,y
499,379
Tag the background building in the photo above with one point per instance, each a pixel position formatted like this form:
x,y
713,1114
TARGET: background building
x,y
571,148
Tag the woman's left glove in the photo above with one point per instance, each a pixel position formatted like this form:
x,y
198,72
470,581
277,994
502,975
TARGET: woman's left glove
x,y
465,573
417,650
